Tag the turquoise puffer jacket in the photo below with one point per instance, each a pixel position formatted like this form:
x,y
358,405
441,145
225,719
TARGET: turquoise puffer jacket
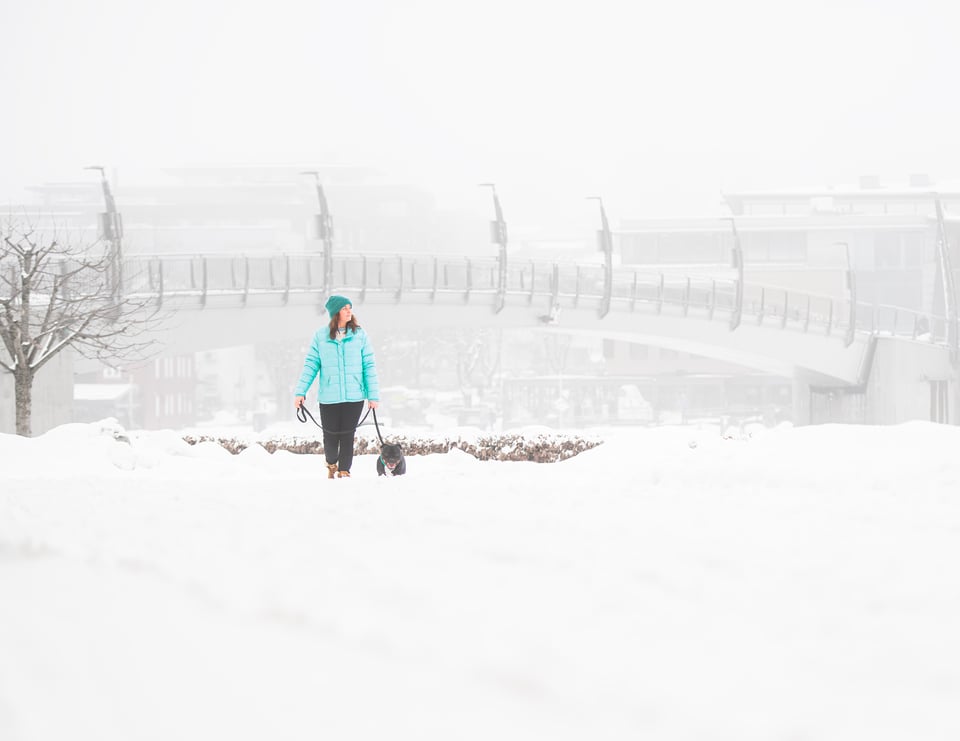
x,y
347,370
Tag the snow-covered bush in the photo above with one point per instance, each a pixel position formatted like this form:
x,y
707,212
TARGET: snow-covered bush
x,y
541,448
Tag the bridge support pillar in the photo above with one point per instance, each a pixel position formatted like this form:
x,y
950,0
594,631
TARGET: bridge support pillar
x,y
954,404
801,401
911,381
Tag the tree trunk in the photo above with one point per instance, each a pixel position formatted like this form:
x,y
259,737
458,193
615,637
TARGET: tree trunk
x,y
23,392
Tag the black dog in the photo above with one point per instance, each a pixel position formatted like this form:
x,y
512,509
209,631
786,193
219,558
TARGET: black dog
x,y
391,461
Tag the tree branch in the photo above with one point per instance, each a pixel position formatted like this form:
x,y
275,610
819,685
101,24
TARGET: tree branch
x,y
76,306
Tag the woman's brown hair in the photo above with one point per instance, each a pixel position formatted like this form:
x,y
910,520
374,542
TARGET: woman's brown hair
x,y
335,324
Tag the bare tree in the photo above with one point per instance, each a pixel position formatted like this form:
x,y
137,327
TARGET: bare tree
x,y
56,295
478,362
479,370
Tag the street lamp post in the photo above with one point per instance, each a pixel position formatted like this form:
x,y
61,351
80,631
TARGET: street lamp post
x,y
947,285
111,231
605,243
851,281
324,231
498,234
737,310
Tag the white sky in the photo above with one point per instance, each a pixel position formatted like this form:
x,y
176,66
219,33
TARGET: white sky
x,y
656,106
801,584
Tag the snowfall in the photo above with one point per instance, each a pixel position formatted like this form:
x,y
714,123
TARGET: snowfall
x,y
789,584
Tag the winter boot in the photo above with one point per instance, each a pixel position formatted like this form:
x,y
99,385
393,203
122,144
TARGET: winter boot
x,y
343,474
331,470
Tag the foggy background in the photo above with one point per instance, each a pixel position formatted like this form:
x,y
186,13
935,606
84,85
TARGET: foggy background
x,y
658,108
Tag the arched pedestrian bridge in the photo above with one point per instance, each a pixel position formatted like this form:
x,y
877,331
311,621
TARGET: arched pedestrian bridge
x,y
825,339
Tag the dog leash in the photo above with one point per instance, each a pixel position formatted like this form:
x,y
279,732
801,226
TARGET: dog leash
x,y
306,413
375,424
382,443
303,413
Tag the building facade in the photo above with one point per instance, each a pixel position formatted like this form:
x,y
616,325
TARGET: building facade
x,y
875,242
808,239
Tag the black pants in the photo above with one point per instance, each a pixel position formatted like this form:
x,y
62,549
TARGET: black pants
x,y
339,423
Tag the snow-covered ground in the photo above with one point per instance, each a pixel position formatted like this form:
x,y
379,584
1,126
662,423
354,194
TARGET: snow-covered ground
x,y
801,584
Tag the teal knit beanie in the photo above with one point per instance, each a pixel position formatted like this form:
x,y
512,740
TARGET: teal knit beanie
x,y
335,303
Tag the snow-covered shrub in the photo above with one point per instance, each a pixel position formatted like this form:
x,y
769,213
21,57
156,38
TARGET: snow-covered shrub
x,y
541,448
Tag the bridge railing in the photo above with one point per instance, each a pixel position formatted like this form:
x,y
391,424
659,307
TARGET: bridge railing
x,y
573,285
901,322
400,274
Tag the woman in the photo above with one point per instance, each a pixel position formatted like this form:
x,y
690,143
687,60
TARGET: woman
x,y
343,356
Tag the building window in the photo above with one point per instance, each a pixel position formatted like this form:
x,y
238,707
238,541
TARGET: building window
x,y
913,249
639,249
886,250
766,209
684,248
780,247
